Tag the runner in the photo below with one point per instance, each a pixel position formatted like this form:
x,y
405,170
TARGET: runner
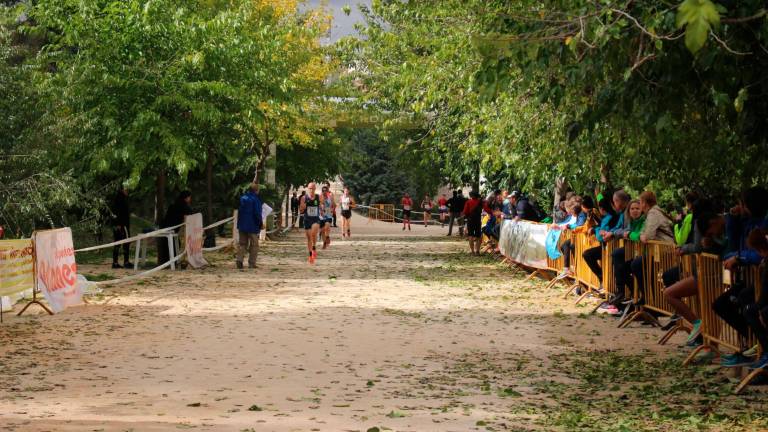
x,y
442,205
347,204
329,205
311,207
407,203
426,205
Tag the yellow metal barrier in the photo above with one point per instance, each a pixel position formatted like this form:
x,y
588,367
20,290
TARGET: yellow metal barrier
x,y
584,275
382,212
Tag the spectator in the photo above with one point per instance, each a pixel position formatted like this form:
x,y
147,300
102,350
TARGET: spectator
x,y
609,220
560,213
658,227
456,207
747,216
711,227
294,209
756,313
635,222
121,227
249,225
523,209
301,215
576,219
473,210
684,228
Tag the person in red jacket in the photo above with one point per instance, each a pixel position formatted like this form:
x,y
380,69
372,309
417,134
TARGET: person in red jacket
x,y
473,210
407,203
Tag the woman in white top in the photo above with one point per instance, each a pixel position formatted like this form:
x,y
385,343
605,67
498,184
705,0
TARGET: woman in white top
x,y
426,205
347,204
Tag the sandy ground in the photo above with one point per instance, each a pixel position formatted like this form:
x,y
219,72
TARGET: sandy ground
x,y
390,330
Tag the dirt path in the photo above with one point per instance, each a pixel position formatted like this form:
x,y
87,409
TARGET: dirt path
x,y
390,330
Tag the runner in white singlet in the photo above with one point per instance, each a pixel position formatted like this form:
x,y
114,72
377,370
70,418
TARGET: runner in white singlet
x,y
426,205
347,204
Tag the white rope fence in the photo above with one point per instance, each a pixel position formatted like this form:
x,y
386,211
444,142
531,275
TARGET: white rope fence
x,y
169,233
416,219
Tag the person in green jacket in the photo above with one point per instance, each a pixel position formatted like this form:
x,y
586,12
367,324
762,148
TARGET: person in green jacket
x,y
684,227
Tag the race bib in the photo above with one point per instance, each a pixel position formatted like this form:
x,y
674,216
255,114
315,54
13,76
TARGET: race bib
x,y
313,211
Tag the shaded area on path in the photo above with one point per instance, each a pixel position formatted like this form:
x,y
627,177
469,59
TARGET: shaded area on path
x,y
390,329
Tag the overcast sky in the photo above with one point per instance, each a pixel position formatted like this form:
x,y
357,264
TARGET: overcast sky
x,y
343,25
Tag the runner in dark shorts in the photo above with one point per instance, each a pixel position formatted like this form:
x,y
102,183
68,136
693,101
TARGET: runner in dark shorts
x,y
407,205
311,207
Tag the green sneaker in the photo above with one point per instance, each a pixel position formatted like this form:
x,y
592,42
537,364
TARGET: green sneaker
x,y
695,332
752,352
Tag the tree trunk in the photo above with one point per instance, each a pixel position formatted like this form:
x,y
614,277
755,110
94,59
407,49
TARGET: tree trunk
x,y
605,178
561,189
209,187
160,181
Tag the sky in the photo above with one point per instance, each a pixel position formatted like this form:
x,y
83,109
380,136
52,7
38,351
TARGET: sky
x,y
343,25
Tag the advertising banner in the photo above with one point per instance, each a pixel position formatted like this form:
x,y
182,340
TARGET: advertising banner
x,y
16,266
193,243
524,242
56,269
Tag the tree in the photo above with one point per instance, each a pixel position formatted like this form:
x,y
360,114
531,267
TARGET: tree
x,y
146,89
619,92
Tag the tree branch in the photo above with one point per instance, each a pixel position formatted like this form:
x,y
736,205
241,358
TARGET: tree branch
x,y
727,48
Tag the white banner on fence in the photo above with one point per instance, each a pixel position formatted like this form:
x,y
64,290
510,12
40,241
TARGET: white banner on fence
x,y
524,242
56,269
193,241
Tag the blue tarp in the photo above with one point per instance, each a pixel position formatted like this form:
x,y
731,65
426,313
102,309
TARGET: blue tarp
x,y
553,237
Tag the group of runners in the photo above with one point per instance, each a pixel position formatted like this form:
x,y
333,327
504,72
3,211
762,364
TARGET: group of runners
x,y
317,212
426,205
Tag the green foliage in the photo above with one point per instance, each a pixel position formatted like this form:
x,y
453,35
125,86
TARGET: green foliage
x,y
587,91
698,17
377,171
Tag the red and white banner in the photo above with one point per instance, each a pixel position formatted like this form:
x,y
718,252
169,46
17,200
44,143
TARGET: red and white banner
x,y
193,240
56,269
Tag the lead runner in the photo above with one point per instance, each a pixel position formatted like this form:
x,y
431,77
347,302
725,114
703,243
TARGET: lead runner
x,y
311,207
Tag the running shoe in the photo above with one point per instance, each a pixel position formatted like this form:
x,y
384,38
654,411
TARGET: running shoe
x,y
564,274
735,360
693,343
761,363
695,332
752,351
116,266
673,320
608,309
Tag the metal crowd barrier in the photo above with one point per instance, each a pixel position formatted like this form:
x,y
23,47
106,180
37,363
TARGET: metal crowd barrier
x,y
658,257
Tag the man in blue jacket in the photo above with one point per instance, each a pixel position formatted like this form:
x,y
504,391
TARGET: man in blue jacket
x,y
249,224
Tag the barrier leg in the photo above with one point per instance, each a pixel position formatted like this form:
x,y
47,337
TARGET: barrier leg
x,y
696,351
532,275
34,301
144,255
571,289
640,314
171,254
136,257
679,326
748,379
